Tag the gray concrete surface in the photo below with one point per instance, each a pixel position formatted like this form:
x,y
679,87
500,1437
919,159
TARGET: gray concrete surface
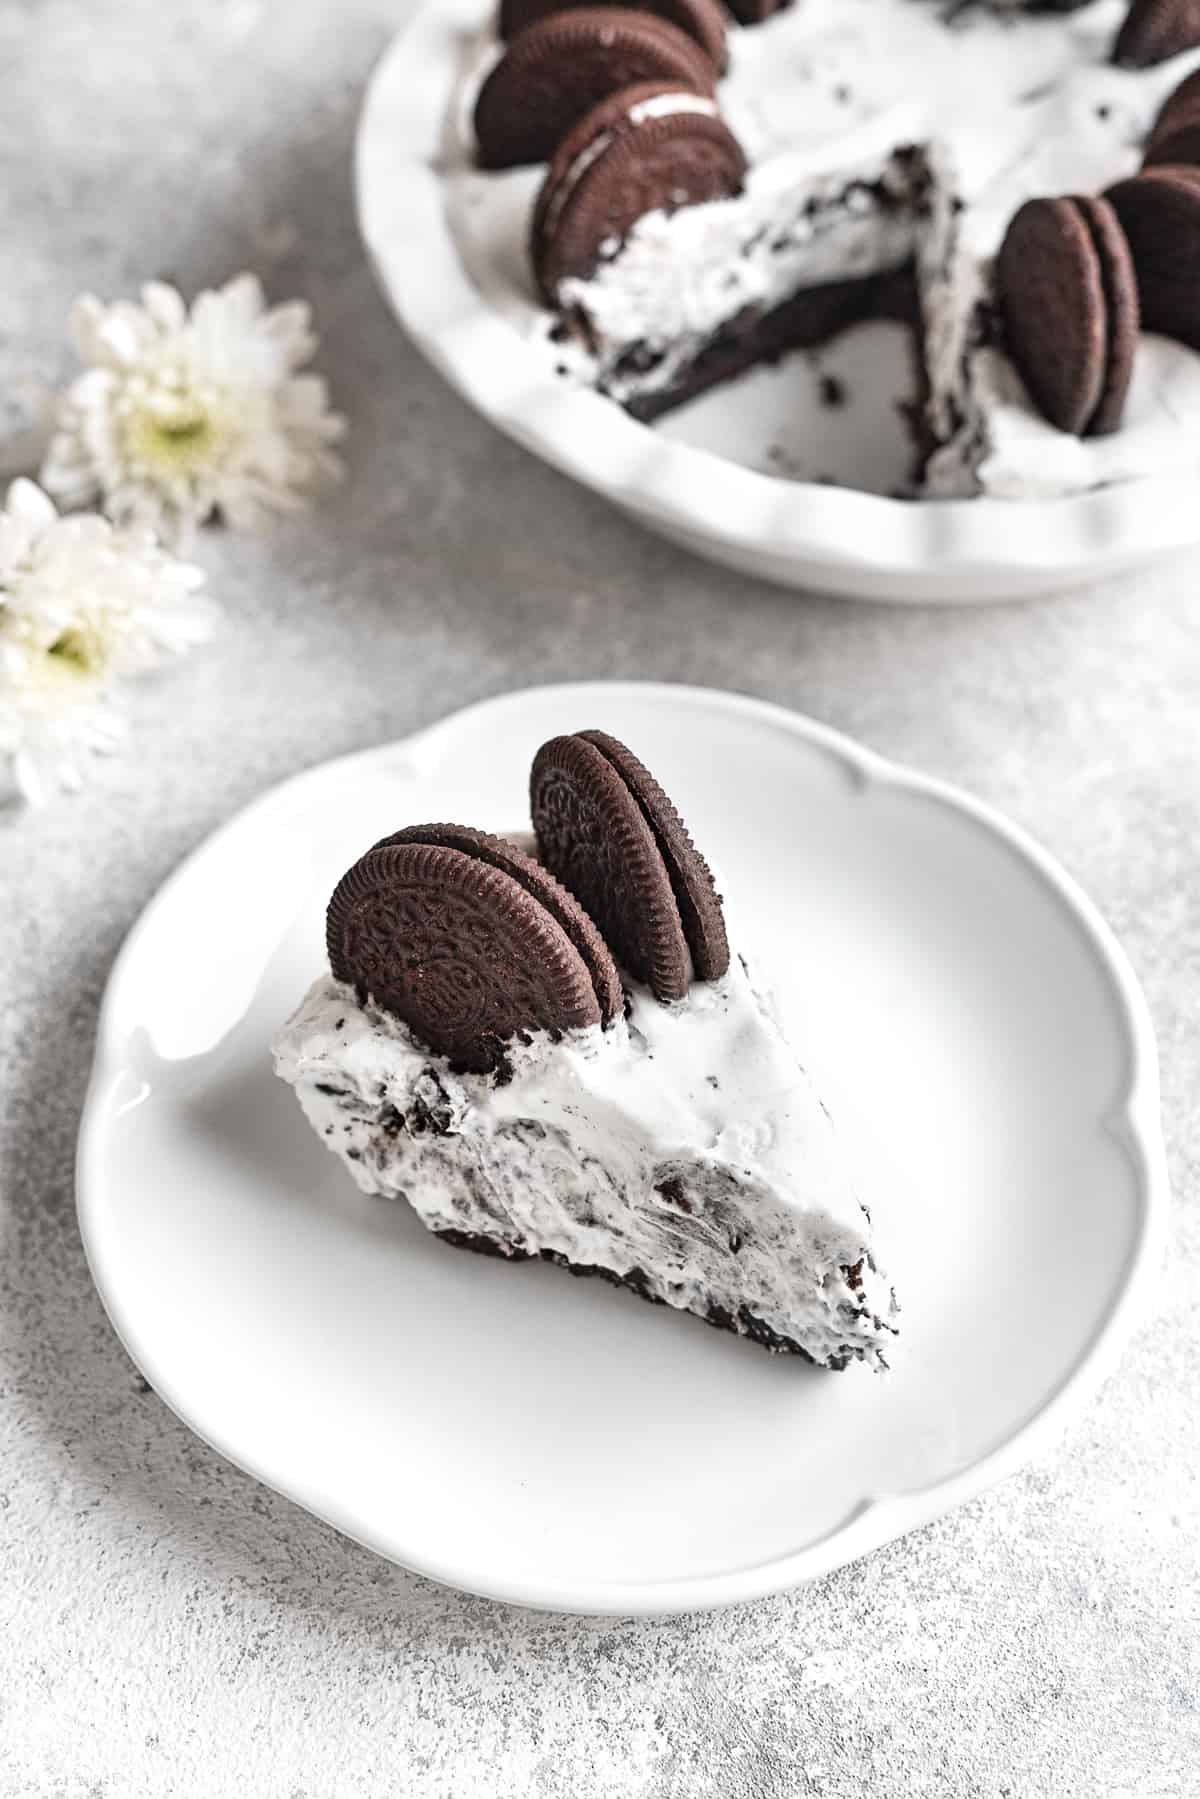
x,y
168,1626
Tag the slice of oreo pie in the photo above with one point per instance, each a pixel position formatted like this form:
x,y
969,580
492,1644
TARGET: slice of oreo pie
x,y
468,1052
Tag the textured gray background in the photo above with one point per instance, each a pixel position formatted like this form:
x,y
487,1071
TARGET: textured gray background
x,y
173,1627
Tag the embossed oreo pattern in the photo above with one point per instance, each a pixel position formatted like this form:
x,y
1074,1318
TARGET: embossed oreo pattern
x,y
691,878
592,834
457,950
537,881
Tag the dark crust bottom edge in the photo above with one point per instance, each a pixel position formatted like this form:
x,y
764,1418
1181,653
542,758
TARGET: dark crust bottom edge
x,y
744,1324
809,319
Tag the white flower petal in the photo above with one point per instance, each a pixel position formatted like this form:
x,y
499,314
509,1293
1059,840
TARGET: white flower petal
x,y
30,506
164,305
82,608
183,412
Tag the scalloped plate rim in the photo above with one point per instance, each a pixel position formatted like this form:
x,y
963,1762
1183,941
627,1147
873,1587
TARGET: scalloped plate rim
x,y
878,1518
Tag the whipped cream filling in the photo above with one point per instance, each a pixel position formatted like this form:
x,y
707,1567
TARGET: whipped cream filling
x,y
683,1146
1003,103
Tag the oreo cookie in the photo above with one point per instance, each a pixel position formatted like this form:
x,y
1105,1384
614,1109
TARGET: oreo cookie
x,y
647,147
591,833
1156,30
690,876
1068,296
1159,212
541,885
458,950
612,836
1119,280
1175,134
701,20
756,12
557,70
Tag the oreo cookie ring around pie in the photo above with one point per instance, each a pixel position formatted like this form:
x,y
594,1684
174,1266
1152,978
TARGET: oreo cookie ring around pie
x,y
1159,212
1051,289
541,885
591,833
647,147
556,71
457,950
702,20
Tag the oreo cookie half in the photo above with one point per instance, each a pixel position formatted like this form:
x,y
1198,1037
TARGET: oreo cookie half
x,y
456,949
1159,212
756,12
647,147
1068,296
557,70
541,885
701,20
1119,280
593,835
691,878
1175,134
1156,30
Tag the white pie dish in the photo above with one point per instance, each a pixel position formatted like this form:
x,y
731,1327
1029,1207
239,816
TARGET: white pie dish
x,y
803,534
556,1442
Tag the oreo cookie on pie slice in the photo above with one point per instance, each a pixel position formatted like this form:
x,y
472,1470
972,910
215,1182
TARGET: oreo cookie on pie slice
x,y
470,1054
1156,30
557,70
1068,297
701,20
541,885
690,876
1159,212
457,949
609,832
593,836
647,148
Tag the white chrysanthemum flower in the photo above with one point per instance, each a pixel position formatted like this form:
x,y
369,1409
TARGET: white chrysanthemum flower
x,y
182,414
82,605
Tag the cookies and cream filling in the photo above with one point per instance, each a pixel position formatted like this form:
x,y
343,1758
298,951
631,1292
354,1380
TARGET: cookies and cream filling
x,y
1001,103
681,1148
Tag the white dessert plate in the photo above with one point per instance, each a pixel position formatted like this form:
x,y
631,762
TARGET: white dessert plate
x,y
975,1028
801,533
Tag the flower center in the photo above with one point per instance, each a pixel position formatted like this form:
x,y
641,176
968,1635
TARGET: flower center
x,y
175,428
77,651
71,649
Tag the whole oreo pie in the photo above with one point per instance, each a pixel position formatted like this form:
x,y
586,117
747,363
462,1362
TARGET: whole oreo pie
x,y
854,163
